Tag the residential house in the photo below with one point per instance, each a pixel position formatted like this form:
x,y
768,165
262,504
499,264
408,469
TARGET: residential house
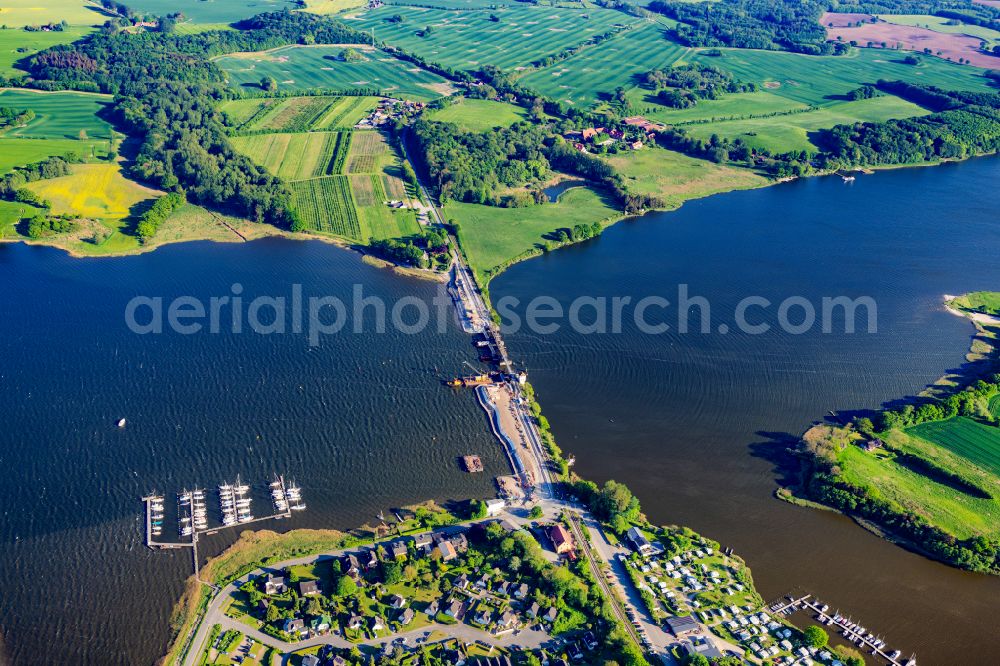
x,y
639,541
561,539
321,624
521,591
551,614
406,616
349,565
616,134
502,588
423,542
275,584
533,610
433,608
454,609
310,660
447,551
398,549
355,622
484,616
377,624
483,582
370,559
294,625
397,602
635,145
460,542
308,588
462,582
507,621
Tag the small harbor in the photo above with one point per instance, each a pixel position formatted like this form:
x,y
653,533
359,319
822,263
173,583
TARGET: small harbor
x,y
851,631
235,501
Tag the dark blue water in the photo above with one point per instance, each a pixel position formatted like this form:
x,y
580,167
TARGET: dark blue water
x,y
361,422
696,424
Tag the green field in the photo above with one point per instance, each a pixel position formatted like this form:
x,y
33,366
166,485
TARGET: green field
x,y
976,442
792,132
739,105
677,178
18,152
822,80
479,115
469,39
213,11
981,301
595,72
94,191
18,44
939,24
292,156
325,205
320,67
492,236
61,115
19,13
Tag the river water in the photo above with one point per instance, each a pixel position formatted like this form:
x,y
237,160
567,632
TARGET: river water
x,y
361,422
696,423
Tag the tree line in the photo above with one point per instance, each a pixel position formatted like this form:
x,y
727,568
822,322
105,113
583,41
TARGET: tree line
x,y
681,87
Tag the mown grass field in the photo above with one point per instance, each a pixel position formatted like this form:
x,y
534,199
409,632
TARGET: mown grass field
x,y
59,115
18,152
320,67
17,44
492,236
19,13
677,178
957,512
215,11
292,156
92,190
824,80
792,132
740,105
939,24
468,39
479,115
983,301
593,74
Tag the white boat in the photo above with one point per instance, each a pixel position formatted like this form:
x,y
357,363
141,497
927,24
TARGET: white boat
x,y
246,519
121,423
299,507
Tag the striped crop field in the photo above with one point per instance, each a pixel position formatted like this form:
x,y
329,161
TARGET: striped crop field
x,y
345,112
326,204
296,114
598,70
244,112
977,442
524,34
293,156
321,68
58,115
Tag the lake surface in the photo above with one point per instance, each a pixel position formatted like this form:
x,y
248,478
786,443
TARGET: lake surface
x,y
361,422
696,423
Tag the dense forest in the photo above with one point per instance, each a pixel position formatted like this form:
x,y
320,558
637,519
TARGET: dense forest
x,y
167,92
965,124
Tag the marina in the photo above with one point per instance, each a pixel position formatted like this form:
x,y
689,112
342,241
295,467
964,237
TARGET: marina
x,y
851,631
235,501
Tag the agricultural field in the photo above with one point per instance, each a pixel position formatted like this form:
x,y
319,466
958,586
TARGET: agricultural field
x,y
795,131
60,115
677,178
298,114
824,80
16,45
909,37
94,191
739,105
19,13
294,156
593,74
326,205
493,236
18,152
191,28
977,442
478,115
987,302
939,24
469,39
216,11
332,6
321,68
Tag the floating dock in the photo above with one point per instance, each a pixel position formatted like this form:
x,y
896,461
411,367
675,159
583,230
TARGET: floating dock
x,y
472,464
